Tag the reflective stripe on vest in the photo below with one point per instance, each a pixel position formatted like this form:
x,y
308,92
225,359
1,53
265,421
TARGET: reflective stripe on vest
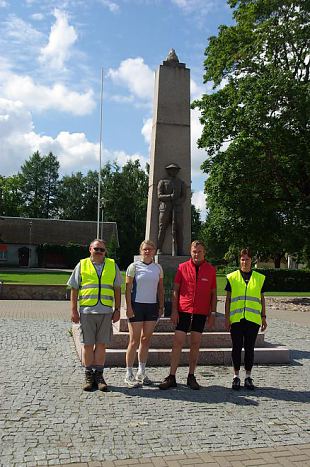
x,y
246,298
94,288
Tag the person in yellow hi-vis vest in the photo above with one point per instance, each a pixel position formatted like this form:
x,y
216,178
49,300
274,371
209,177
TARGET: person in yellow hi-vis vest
x,y
95,285
245,313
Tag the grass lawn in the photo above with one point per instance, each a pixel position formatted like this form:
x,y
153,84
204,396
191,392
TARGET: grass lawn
x,y
58,278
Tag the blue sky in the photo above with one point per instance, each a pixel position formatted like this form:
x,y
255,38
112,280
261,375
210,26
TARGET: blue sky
x,y
51,55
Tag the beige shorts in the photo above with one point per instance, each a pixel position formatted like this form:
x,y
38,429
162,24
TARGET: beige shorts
x,y
95,329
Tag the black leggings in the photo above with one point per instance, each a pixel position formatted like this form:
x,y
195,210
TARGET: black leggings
x,y
243,334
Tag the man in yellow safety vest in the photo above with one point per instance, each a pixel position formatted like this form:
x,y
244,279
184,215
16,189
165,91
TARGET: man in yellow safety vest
x,y
95,285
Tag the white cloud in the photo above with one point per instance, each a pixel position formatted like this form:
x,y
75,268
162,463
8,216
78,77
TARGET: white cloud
x,y
20,31
136,76
18,141
40,98
112,6
37,16
147,130
199,201
61,39
3,4
196,6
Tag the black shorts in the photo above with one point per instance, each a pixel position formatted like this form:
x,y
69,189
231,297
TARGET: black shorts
x,y
191,322
144,312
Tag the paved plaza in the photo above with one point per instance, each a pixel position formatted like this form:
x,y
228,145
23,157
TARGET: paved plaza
x,y
46,419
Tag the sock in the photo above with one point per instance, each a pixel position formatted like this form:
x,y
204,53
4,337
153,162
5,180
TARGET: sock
x,y
236,375
129,371
248,374
141,368
98,368
88,368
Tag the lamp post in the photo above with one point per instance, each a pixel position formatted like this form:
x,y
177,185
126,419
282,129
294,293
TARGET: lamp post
x,y
29,258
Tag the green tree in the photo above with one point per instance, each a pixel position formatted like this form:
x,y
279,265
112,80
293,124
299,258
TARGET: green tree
x,y
70,196
196,223
256,127
124,200
39,176
10,195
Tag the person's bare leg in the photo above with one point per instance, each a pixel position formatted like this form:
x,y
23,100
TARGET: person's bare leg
x,y
194,350
134,341
178,342
146,334
88,355
99,355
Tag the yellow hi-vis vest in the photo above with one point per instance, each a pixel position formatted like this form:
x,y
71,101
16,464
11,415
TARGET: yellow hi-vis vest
x,y
96,288
246,298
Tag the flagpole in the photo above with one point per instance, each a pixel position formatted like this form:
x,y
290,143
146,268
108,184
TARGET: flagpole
x,y
100,150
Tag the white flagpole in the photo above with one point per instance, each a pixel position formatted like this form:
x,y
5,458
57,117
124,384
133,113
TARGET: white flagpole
x,y
100,149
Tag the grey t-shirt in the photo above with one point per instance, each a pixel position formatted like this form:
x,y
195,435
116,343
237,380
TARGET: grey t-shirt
x,y
74,282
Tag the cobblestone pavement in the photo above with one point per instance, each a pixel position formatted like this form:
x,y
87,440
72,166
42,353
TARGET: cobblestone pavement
x,y
45,418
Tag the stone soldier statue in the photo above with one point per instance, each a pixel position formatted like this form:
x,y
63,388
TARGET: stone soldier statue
x,y
171,192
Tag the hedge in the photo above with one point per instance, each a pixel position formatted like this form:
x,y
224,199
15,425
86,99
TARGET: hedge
x,y
283,280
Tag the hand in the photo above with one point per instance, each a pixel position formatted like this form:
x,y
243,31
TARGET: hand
x,y
211,320
129,312
116,316
75,316
227,324
174,317
264,325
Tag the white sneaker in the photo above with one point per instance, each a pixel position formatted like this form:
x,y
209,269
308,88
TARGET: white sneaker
x,y
142,378
131,382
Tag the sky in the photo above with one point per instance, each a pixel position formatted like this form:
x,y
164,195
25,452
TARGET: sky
x,y
51,56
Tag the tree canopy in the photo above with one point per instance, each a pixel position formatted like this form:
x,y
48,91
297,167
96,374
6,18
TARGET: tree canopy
x,y
256,128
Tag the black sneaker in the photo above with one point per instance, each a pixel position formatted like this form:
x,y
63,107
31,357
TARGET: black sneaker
x,y
248,383
168,382
192,383
236,383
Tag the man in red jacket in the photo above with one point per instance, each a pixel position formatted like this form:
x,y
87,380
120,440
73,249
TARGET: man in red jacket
x,y
194,300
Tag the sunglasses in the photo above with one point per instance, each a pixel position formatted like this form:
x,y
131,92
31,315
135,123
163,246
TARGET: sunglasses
x,y
100,249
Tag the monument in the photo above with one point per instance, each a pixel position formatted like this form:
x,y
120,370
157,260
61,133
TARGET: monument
x,y
168,222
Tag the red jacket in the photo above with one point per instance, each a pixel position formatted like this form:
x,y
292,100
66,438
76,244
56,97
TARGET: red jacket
x,y
195,290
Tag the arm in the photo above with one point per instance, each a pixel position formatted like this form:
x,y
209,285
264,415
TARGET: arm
x,y
117,304
129,310
160,192
175,302
264,322
211,317
161,296
227,310
75,317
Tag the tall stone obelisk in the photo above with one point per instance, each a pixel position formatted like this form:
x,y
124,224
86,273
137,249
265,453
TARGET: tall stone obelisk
x,y
170,146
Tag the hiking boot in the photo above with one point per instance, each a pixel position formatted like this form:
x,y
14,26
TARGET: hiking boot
x,y
248,383
192,383
89,380
236,383
168,382
142,378
100,382
131,382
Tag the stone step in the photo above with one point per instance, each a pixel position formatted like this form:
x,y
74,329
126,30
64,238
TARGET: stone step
x,y
163,340
165,325
207,356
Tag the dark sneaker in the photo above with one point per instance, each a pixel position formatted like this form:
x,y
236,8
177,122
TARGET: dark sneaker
x,y
168,382
192,383
100,382
236,383
248,383
89,380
